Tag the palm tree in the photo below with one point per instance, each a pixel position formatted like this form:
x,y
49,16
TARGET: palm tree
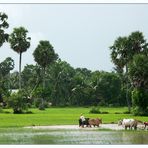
x,y
123,51
3,25
44,55
19,42
120,57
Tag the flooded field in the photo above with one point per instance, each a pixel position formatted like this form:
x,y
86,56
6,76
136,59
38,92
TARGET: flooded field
x,y
67,136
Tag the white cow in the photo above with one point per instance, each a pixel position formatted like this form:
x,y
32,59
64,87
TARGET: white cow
x,y
128,123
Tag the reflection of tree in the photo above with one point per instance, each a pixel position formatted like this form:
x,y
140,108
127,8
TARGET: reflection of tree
x,y
134,137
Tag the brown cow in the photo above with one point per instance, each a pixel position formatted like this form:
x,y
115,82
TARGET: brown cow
x,y
146,124
94,122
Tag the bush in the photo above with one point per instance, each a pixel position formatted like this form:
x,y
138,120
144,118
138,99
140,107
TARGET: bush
x,y
104,112
140,102
118,113
41,107
18,102
95,110
41,104
126,112
140,111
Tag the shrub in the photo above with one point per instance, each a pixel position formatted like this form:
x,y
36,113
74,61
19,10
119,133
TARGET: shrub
x,y
95,110
126,112
18,102
104,112
140,111
41,107
118,113
140,101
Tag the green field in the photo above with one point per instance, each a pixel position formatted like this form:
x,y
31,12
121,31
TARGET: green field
x,y
61,116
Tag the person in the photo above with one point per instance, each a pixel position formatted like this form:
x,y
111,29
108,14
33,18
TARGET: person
x,y
82,120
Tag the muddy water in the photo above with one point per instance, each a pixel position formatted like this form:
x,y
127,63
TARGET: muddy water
x,y
105,137
30,136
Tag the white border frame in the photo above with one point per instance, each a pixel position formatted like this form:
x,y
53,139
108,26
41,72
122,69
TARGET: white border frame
x,y
74,1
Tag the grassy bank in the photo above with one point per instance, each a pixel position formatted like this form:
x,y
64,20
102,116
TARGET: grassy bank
x,y
61,116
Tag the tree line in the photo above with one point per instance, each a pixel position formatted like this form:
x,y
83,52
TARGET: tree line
x,y
55,82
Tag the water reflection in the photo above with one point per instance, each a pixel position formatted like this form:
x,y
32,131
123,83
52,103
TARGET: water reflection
x,y
135,137
74,137
103,137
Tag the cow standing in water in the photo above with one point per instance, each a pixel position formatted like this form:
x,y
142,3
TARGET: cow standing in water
x,y
128,123
95,122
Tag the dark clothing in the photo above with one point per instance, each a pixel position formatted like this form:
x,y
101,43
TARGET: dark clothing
x,y
82,123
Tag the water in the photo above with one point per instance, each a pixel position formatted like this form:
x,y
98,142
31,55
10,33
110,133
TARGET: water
x,y
30,136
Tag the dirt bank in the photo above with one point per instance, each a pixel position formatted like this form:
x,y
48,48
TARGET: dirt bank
x,y
102,126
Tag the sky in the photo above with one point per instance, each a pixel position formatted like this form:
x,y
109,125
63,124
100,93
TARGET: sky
x,y
81,34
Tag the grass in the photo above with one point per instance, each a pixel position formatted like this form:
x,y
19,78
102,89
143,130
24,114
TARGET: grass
x,y
62,116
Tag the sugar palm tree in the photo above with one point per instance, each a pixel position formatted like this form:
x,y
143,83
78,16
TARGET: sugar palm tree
x,y
19,42
44,55
123,51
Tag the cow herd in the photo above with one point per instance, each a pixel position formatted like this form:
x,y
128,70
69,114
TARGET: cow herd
x,y
125,123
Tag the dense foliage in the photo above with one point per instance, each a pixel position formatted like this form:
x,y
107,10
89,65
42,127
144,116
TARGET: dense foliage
x,y
3,25
131,53
66,86
139,78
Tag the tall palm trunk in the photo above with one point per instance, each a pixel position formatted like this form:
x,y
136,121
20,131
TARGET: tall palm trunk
x,y
20,60
127,95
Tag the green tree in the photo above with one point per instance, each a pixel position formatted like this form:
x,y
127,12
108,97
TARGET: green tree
x,y
120,55
19,42
59,84
138,72
14,79
3,38
30,76
107,88
3,25
122,52
82,90
5,67
44,55
31,81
